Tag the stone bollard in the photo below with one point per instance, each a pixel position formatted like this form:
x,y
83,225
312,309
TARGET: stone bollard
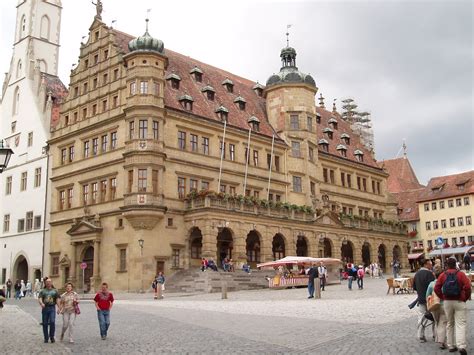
x,y
224,290
317,288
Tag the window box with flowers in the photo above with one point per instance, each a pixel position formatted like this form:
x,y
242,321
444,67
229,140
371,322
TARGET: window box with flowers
x,y
412,233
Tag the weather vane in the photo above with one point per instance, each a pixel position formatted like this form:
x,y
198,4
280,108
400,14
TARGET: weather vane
x,y
147,18
288,35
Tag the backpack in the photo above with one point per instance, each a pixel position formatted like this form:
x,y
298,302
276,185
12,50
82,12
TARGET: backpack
x,y
451,285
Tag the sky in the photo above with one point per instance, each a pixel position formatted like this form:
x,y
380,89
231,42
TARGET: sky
x,y
409,63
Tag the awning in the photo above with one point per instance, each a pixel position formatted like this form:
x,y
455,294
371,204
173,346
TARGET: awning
x,y
415,256
299,260
451,251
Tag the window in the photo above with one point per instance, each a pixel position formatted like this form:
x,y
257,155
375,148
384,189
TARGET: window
x,y
295,149
435,224
86,63
70,196
458,202
452,222
182,140
85,195
104,105
204,185
256,194
247,192
460,221
325,175
122,259
131,130
450,203
37,177
156,88
86,149
193,184
349,180
94,83
94,109
115,101
113,188
113,140
95,146
343,152
105,79
309,123
194,142
232,190
205,145
378,187
364,184
175,83
294,122
6,223
30,139
331,176
175,254
196,249
96,58
130,181
55,265
66,120
21,225
359,183
466,201
63,156
443,223
247,155
373,187
468,220
311,153
71,153
116,74
142,177
104,143
142,129
343,179
210,95
428,226
312,188
94,193
8,185
277,162
76,91
133,88
232,152
29,221
181,187
143,87
222,188
103,190
433,206
24,181
155,130
154,181
62,199
255,157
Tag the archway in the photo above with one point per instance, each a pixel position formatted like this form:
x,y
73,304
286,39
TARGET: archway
x,y
301,246
253,248
327,248
381,257
366,254
195,244
278,247
224,245
88,258
21,268
397,254
37,274
347,251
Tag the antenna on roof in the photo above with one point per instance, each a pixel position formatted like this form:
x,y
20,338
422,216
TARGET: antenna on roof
x,y
288,35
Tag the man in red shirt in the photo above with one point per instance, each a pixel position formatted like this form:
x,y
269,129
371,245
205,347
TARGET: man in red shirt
x,y
454,288
103,302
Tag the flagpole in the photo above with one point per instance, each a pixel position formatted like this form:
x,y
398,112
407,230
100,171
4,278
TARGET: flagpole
x,y
222,158
247,158
270,170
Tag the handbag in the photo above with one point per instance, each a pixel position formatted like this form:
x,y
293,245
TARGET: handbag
x,y
77,310
433,302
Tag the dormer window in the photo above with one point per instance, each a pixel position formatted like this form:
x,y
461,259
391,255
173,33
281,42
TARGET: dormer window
x,y
258,89
332,122
318,119
222,113
196,73
187,102
346,138
209,91
328,131
229,85
461,186
254,122
359,155
240,101
324,145
341,148
174,79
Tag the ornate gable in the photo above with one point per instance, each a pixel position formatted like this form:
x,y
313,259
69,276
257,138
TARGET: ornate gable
x,y
329,218
84,229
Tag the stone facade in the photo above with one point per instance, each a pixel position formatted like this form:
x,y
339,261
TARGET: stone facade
x,y
137,156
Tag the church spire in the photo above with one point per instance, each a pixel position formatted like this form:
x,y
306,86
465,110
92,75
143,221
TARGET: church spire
x,y
321,100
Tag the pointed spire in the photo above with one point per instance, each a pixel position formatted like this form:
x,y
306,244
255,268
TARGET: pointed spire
x,y
288,35
334,109
321,100
404,146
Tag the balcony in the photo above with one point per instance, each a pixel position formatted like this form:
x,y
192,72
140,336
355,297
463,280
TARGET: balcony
x,y
379,226
143,145
143,210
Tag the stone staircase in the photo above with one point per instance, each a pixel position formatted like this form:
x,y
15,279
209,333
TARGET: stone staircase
x,y
196,281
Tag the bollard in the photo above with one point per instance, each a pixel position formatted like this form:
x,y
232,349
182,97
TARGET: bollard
x,y
224,290
317,288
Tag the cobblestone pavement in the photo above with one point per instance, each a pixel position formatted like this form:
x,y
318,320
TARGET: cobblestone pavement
x,y
263,321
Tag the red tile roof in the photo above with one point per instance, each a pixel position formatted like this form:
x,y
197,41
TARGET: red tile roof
x,y
401,175
449,186
255,105
58,91
407,203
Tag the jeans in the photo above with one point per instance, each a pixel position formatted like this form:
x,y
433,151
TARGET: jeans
x,y
311,289
456,313
104,321
349,282
360,283
48,314
9,293
17,295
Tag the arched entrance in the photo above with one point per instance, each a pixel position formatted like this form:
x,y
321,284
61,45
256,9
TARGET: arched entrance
x,y
88,258
347,251
253,248
278,247
21,268
327,248
224,245
381,257
301,246
397,254
195,246
366,254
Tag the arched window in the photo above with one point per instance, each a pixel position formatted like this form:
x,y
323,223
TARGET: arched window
x,y
16,101
18,69
22,30
45,24
43,66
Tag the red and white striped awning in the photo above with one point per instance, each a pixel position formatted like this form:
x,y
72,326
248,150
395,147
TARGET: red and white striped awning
x,y
415,256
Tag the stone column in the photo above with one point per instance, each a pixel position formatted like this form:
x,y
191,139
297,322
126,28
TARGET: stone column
x,y
239,244
290,244
336,246
313,244
72,271
95,279
209,243
266,253
357,252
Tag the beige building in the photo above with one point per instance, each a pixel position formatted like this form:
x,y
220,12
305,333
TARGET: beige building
x,y
159,160
446,210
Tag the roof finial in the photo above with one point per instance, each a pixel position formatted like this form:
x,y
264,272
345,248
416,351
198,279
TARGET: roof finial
x,y
98,9
334,106
321,100
147,18
288,35
404,146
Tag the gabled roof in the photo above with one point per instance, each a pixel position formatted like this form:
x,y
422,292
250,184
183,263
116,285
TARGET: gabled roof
x,y
58,91
401,175
407,202
449,186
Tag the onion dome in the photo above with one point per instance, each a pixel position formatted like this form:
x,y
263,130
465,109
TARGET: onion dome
x,y
146,43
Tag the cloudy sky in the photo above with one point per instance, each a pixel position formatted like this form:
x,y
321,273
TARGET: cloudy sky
x,y
409,63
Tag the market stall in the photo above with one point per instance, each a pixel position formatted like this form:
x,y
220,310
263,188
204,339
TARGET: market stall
x,y
288,271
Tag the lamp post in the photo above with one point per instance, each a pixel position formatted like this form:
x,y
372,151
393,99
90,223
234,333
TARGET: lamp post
x,y
140,243
5,154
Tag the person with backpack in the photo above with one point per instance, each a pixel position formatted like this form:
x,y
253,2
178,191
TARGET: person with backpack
x,y
360,277
454,288
422,279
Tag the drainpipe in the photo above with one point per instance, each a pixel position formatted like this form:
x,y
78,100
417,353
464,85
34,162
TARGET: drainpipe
x,y
45,151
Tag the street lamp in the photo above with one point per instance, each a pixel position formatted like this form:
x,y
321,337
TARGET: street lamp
x,y
140,243
5,154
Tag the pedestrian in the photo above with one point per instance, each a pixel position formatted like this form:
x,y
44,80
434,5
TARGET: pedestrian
x,y
467,261
68,307
422,279
161,282
48,299
22,288
322,273
312,274
439,315
29,292
37,288
2,297
360,277
9,285
203,264
17,289
104,301
351,275
454,288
